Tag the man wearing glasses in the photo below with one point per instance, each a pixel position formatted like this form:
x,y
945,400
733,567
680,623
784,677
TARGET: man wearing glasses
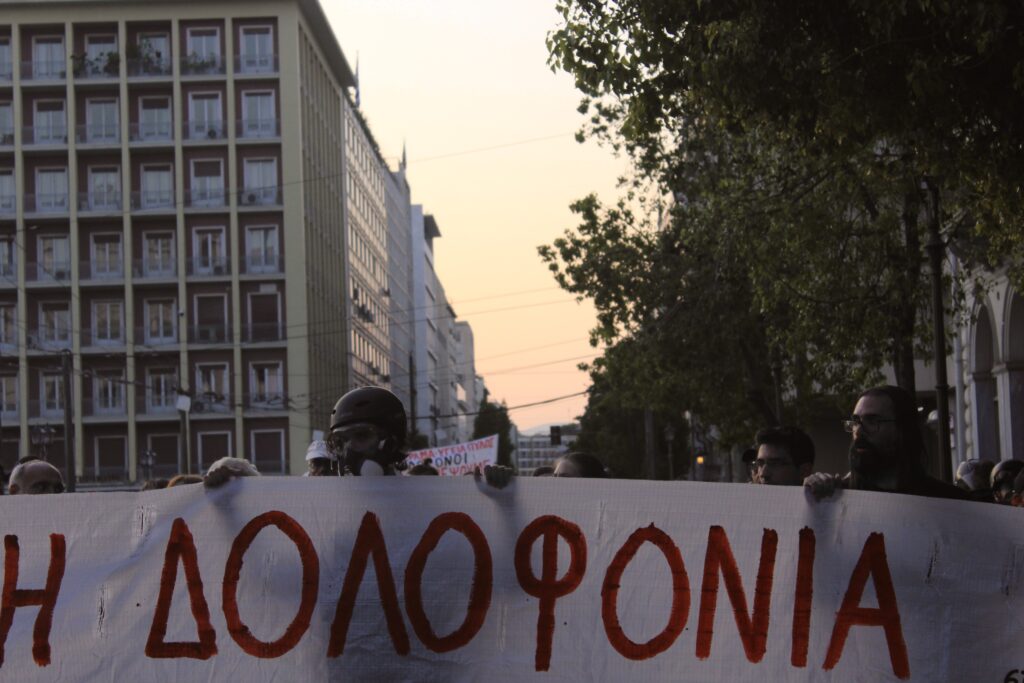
x,y
886,450
784,457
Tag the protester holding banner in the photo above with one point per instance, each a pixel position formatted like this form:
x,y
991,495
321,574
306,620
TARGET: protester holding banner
x,y
321,460
35,477
368,428
581,465
785,456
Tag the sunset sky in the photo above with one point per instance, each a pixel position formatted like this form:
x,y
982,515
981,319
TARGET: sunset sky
x,y
488,128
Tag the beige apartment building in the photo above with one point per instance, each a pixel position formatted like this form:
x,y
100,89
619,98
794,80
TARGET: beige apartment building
x,y
173,208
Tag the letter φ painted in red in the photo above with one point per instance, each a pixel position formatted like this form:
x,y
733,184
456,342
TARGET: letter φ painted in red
x,y
802,599
479,592
369,541
310,585
753,628
548,588
180,546
45,599
680,595
872,562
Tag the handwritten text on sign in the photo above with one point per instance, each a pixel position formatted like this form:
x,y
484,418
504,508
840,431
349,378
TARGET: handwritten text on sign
x,y
457,459
446,579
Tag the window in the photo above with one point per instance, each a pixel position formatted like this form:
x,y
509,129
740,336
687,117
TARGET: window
x,y
108,391
6,64
211,315
267,448
52,189
161,321
6,123
49,122
111,458
48,57
162,386
54,324
7,201
106,256
203,48
155,118
51,391
209,251
207,183
259,116
8,325
101,120
257,49
104,188
98,49
108,323
265,384
158,257
9,394
157,187
206,119
155,52
55,256
212,386
212,447
260,181
8,262
261,249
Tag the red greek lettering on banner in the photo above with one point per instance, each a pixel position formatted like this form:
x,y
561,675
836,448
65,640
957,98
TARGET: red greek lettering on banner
x,y
45,598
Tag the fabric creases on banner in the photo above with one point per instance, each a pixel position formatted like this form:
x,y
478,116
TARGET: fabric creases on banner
x,y
426,578
458,459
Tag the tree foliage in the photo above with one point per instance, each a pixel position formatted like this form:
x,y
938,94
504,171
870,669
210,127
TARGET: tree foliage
x,y
492,418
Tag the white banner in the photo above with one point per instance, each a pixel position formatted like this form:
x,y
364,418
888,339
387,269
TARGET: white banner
x,y
445,579
457,459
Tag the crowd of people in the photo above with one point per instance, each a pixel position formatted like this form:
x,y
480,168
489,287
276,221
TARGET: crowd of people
x,y
887,454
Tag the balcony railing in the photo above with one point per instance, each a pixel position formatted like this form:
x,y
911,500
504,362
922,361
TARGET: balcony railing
x,y
8,271
98,133
49,203
149,402
259,196
196,65
106,65
100,337
266,400
50,409
6,72
6,137
45,134
264,332
152,131
8,205
149,200
43,70
104,406
9,414
263,264
210,334
209,402
155,336
106,200
256,64
96,270
207,130
258,128
208,266
58,271
47,339
206,197
143,268
149,65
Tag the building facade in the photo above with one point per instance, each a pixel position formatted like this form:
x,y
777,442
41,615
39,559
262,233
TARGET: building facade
x,y
173,212
399,294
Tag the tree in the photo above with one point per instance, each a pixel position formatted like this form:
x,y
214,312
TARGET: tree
x,y
492,418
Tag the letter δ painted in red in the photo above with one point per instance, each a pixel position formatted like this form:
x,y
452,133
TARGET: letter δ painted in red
x,y
479,592
310,585
45,599
369,541
872,563
548,588
802,599
680,595
753,629
180,546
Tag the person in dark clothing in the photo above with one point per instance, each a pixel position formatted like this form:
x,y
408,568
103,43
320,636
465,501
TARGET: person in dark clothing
x,y
886,450
784,456
975,477
1002,479
581,465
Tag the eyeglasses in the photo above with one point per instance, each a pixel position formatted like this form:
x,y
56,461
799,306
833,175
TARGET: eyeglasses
x,y
869,423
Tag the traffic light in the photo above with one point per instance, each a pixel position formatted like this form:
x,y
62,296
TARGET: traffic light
x,y
556,435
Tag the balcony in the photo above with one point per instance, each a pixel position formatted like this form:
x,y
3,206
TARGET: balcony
x,y
103,66
263,264
105,201
105,406
266,400
50,204
202,65
258,129
57,272
8,205
152,131
263,332
154,403
149,66
154,269
209,266
153,200
49,339
6,72
207,130
9,414
45,409
98,134
256,64
43,70
98,271
107,339
156,336
45,135
210,402
206,198
259,196
219,333
7,137
8,275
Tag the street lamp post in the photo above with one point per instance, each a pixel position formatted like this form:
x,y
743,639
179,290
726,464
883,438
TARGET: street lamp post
x,y
41,437
670,435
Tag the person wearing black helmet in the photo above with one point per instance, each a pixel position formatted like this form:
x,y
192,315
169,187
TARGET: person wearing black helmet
x,y
1003,475
368,429
975,477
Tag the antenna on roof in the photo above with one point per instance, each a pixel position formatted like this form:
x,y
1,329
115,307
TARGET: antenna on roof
x,y
357,80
